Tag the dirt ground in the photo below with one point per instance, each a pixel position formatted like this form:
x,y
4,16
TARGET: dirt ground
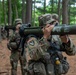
x,y
5,68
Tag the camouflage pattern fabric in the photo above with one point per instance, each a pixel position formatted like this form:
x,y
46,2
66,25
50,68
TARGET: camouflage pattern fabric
x,y
38,50
55,16
14,58
36,68
18,21
43,44
45,19
38,53
34,49
69,48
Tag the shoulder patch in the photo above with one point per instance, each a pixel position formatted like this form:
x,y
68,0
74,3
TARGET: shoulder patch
x,y
32,43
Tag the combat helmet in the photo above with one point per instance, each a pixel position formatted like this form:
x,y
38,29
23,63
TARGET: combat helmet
x,y
18,21
55,16
45,19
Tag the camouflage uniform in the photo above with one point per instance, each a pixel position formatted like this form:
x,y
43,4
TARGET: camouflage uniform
x,y
39,49
14,46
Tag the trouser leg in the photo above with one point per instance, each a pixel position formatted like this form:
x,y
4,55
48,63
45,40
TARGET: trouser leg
x,y
14,67
23,64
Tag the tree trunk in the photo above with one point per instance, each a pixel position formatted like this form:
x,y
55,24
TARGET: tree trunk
x,y
0,35
4,12
28,11
69,9
52,2
23,11
16,11
44,6
9,13
34,13
65,11
59,13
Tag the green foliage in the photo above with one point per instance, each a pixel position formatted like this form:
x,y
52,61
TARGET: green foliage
x,y
38,10
18,5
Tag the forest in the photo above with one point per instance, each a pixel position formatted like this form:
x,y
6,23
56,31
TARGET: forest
x,y
29,10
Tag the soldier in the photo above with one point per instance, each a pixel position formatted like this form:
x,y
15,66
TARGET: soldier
x,y
14,46
39,49
57,42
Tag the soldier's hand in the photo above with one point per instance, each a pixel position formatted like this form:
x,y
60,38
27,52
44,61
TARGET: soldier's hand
x,y
47,30
64,38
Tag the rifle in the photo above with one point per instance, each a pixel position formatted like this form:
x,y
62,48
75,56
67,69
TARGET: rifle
x,y
14,27
57,30
7,28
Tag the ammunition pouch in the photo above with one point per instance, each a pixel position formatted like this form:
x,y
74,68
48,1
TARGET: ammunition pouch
x,y
61,68
65,66
12,46
36,68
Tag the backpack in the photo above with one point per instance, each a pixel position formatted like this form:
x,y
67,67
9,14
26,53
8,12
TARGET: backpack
x,y
34,49
14,42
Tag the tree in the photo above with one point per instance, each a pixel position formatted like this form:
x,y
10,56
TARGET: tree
x,y
28,11
23,11
16,9
4,12
59,13
11,9
65,11
34,14
44,6
9,12
52,6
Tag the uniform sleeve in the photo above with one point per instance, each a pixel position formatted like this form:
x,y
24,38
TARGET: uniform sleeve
x,y
44,43
69,47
